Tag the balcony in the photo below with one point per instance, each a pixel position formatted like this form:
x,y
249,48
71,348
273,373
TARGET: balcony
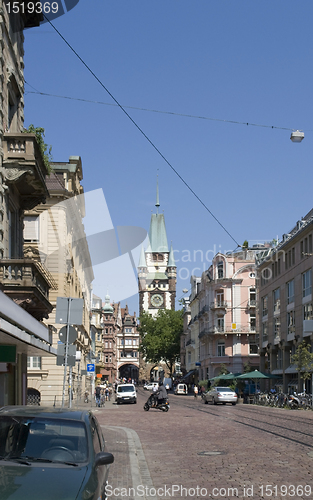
x,y
190,342
28,283
218,304
204,310
25,169
252,303
205,331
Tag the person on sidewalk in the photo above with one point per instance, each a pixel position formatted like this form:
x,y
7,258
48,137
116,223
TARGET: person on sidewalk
x,y
98,395
195,391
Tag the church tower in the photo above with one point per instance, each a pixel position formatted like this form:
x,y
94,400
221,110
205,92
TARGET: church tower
x,y
156,268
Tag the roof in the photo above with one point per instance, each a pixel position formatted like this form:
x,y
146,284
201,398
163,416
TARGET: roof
x,y
35,411
157,234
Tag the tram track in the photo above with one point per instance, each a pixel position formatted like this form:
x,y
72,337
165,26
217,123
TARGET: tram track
x,y
240,416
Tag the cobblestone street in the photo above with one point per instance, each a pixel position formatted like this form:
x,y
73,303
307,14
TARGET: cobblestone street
x,y
205,450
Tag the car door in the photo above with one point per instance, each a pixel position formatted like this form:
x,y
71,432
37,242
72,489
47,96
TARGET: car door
x,y
99,445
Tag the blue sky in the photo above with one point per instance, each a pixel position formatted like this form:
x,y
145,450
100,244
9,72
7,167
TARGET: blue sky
x,y
243,61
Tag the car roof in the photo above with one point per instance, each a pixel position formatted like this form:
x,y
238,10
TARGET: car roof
x,y
39,411
125,385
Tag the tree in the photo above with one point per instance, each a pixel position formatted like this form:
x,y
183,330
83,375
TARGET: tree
x,y
44,148
160,336
303,360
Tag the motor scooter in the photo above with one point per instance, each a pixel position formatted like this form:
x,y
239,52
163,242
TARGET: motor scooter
x,y
163,405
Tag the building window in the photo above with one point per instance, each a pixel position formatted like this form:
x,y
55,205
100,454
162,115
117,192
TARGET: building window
x,y
277,327
134,342
290,322
252,323
276,300
264,332
106,344
219,298
99,337
252,296
264,305
220,324
31,228
290,292
307,311
34,362
279,359
221,348
253,344
307,283
220,269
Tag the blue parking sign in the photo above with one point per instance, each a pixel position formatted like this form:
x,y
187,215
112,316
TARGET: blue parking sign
x,y
90,367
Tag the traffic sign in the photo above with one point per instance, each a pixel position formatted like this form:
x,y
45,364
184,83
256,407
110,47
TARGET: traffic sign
x,y
90,367
72,334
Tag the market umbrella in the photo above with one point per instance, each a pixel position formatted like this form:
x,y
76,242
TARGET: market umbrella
x,y
255,375
225,376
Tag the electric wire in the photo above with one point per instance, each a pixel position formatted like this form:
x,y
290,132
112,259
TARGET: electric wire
x,y
199,117
142,132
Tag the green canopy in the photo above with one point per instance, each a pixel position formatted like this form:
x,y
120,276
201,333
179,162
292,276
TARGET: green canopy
x,y
253,375
225,376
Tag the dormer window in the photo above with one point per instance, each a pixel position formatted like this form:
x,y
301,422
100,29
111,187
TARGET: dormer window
x,y
220,269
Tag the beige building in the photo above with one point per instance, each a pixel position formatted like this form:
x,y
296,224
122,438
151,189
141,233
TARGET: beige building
x,y
54,235
285,302
25,284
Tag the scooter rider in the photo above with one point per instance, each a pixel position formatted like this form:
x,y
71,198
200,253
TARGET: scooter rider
x,y
161,393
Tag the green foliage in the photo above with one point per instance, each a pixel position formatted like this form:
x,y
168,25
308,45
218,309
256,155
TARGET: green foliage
x,y
160,336
203,383
303,360
223,369
247,367
44,148
245,244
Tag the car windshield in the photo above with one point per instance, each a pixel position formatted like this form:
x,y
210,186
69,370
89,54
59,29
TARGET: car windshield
x,y
224,389
125,388
40,438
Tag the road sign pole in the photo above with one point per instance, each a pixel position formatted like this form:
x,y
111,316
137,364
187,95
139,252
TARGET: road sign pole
x,y
66,350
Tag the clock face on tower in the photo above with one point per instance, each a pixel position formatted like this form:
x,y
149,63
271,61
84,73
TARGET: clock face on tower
x,y
156,300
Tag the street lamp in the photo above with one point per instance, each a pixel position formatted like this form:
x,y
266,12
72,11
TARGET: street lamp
x,y
297,136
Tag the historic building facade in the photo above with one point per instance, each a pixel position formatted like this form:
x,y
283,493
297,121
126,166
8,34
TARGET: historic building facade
x,y
24,299
285,302
157,269
222,331
55,237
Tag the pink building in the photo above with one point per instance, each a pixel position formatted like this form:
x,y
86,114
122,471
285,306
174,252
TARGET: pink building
x,y
226,321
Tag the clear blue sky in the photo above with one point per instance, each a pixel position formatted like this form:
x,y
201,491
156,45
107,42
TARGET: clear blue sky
x,y
244,60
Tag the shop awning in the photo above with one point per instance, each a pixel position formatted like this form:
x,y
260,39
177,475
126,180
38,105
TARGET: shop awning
x,y
189,374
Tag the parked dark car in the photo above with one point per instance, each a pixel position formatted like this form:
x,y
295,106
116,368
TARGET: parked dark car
x,y
51,454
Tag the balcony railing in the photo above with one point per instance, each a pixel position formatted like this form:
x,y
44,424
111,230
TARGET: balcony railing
x,y
28,283
25,168
190,342
219,304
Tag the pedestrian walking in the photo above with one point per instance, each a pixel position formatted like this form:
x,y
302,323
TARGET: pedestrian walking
x,y
195,391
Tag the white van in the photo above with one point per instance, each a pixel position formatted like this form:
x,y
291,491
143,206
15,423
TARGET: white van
x,y
126,393
181,389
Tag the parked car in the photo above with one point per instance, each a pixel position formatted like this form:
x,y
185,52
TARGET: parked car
x,y
181,389
149,386
220,395
51,453
126,393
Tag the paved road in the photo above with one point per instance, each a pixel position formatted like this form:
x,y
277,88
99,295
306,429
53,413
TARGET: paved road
x,y
205,451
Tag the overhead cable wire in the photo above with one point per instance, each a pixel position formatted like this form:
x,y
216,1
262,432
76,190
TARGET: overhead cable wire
x,y
141,131
184,115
